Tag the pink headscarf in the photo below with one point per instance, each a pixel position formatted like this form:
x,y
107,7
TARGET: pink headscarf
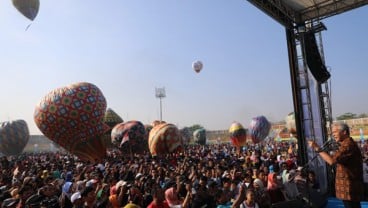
x,y
171,197
271,183
113,190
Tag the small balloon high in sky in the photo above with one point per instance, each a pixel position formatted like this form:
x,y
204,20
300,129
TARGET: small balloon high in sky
x,y
29,8
197,66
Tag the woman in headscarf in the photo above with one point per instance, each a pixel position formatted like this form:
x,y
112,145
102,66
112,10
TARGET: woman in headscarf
x,y
67,191
274,189
291,190
261,196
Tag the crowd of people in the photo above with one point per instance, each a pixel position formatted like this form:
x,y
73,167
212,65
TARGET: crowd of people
x,y
209,176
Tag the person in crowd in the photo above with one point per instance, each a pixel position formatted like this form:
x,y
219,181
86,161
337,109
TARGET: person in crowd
x,y
290,187
212,175
159,199
202,197
274,188
261,195
312,181
67,191
249,200
76,200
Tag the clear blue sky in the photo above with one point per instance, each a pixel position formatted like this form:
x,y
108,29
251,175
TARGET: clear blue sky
x,y
127,48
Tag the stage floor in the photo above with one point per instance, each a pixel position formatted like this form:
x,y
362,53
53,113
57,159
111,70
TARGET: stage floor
x,y
336,203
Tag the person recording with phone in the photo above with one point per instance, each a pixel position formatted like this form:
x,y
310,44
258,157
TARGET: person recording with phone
x,y
348,161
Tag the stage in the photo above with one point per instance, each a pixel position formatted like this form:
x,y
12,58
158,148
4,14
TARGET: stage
x,y
333,203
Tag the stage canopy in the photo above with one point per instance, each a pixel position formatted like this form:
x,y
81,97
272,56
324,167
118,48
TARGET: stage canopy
x,y
294,12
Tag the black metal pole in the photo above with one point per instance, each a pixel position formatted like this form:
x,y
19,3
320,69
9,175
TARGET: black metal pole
x,y
297,97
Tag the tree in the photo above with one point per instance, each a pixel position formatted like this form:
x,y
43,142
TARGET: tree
x,y
195,127
346,116
362,115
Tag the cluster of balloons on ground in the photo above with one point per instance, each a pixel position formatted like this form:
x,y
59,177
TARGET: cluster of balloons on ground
x,y
76,118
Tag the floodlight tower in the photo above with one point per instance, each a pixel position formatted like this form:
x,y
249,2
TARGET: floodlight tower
x,y
160,93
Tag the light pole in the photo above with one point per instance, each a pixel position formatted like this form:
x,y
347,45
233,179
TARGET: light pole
x,y
160,93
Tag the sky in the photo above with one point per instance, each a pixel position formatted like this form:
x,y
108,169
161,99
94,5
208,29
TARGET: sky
x,y
127,48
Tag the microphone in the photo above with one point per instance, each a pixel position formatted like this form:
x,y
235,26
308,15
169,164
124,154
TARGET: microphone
x,y
329,145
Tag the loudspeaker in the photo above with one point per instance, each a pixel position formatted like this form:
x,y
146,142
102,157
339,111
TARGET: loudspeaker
x,y
314,61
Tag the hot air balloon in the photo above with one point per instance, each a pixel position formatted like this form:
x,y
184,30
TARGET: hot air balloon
x,y
199,136
164,138
130,136
111,119
238,134
157,122
14,136
259,129
29,8
197,66
72,116
185,135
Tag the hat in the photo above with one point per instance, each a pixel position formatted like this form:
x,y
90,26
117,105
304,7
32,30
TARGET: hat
x,y
270,168
91,182
75,196
138,175
259,183
121,183
100,167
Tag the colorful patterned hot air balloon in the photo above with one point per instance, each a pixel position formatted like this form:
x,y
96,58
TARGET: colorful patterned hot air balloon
x,y
14,136
29,8
238,135
111,119
197,66
129,136
200,136
72,116
164,138
259,129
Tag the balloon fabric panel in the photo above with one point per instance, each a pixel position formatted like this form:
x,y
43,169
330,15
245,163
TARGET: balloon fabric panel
x,y
92,150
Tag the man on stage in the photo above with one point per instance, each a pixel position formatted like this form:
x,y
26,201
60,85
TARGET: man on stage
x,y
349,168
